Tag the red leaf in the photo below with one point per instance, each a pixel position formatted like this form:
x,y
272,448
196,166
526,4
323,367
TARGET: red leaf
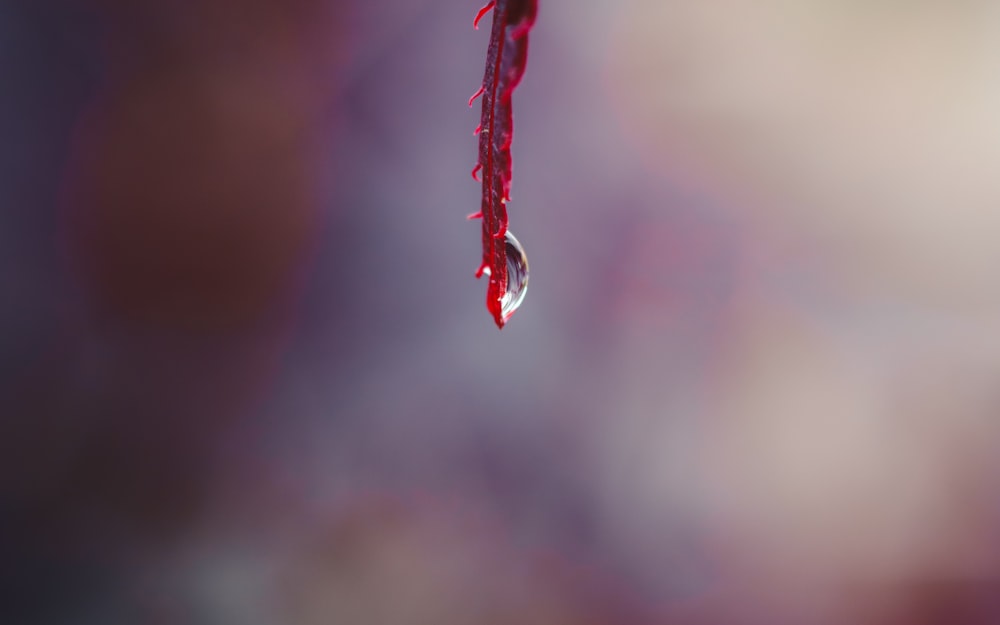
x,y
505,61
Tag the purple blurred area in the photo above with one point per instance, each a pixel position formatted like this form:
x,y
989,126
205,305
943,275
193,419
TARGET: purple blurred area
x,y
248,376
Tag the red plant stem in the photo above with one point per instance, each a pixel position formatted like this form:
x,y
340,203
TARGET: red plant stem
x,y
506,58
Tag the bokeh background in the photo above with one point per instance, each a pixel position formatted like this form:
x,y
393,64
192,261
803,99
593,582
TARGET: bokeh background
x,y
248,376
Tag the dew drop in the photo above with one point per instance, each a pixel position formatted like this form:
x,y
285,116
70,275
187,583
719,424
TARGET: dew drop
x,y
517,276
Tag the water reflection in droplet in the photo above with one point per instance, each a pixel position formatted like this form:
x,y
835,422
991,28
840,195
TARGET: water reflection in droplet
x,y
517,276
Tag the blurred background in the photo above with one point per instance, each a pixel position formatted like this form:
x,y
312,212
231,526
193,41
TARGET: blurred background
x,y
248,376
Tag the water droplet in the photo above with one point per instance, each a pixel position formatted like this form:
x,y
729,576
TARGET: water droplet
x,y
517,276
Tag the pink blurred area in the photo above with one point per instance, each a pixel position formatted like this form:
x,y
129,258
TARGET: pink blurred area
x,y
249,376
